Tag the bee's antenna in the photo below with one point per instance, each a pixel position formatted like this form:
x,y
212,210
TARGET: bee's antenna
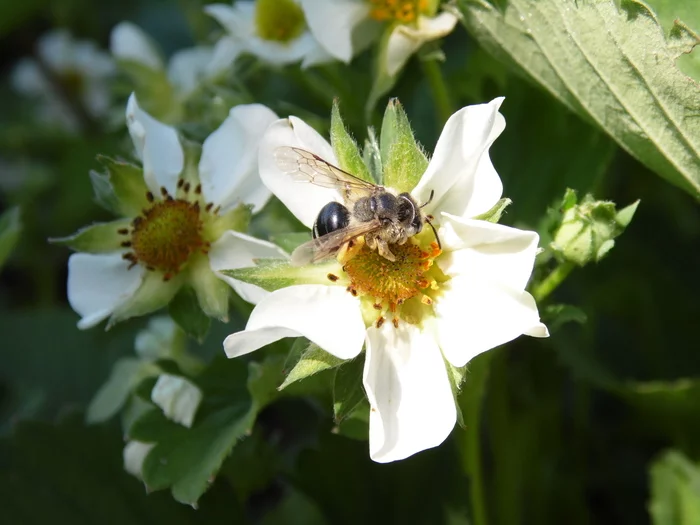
x,y
428,219
432,192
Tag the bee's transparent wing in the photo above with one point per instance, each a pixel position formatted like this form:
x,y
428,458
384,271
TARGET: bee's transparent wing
x,y
305,166
327,245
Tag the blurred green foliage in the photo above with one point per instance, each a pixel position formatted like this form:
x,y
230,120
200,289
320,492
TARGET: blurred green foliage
x,y
568,430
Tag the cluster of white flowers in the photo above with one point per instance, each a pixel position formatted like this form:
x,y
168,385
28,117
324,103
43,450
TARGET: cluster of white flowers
x,y
466,289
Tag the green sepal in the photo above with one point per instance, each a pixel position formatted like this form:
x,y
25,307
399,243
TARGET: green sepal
x,y
154,91
10,228
186,312
122,189
556,315
403,159
236,219
126,374
192,152
273,274
494,214
153,294
345,147
372,156
383,82
588,228
356,424
97,238
456,376
212,293
348,392
310,360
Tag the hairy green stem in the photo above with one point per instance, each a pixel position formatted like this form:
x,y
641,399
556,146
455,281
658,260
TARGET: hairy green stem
x,y
441,93
552,281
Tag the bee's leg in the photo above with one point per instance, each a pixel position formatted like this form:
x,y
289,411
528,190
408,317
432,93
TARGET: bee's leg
x,y
384,251
371,242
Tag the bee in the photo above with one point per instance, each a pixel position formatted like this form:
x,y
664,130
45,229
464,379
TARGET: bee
x,y
370,210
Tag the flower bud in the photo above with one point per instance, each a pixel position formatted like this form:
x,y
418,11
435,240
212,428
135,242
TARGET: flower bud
x,y
588,228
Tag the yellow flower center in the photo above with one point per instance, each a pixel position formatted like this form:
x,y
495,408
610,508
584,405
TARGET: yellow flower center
x,y
399,289
403,11
279,20
166,234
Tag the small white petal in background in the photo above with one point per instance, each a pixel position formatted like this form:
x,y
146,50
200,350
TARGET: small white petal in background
x,y
406,40
157,339
188,68
134,454
177,397
333,23
129,42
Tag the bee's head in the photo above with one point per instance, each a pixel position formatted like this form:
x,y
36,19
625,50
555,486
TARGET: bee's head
x,y
409,213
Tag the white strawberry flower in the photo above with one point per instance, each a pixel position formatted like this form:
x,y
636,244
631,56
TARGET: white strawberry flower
x,y
181,210
346,27
185,70
430,306
275,31
66,69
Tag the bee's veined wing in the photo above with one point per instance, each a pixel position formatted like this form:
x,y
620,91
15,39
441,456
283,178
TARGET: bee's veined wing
x,y
305,166
327,245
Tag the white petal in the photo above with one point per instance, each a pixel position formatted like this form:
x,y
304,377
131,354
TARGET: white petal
x,y
332,22
412,407
489,252
28,79
134,455
238,250
97,284
327,315
129,42
158,147
316,56
55,49
406,40
238,20
177,397
281,53
157,339
230,156
188,68
303,199
460,172
473,317
225,52
97,97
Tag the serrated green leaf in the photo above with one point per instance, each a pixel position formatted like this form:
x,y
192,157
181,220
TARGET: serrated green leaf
x,y
126,374
348,392
687,12
555,315
345,147
494,214
122,189
312,360
10,228
612,65
675,490
403,159
273,274
97,238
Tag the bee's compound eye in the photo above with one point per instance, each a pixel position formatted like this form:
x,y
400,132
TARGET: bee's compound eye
x,y
333,216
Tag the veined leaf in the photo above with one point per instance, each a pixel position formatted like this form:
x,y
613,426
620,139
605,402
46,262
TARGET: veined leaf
x,y
612,65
